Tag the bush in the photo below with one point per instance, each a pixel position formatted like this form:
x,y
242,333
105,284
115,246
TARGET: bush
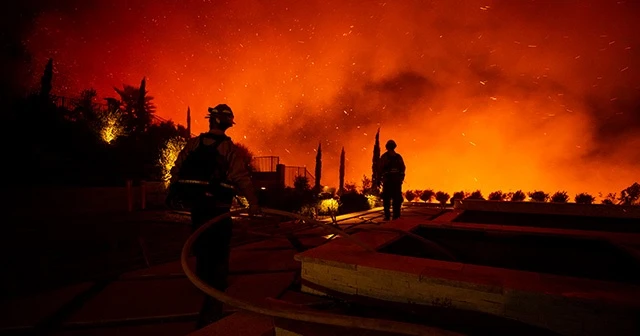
x,y
409,195
460,195
560,197
427,195
310,210
518,196
610,199
584,198
442,197
497,196
328,207
539,196
372,200
353,202
476,195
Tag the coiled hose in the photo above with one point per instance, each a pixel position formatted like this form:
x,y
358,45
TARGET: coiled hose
x,y
292,314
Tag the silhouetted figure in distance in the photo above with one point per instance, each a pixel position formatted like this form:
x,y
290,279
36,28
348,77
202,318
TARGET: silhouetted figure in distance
x,y
206,173
392,171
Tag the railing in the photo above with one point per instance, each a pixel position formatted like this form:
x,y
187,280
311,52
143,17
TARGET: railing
x,y
291,172
266,163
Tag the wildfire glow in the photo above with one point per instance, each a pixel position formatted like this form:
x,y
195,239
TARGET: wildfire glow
x,y
169,155
543,96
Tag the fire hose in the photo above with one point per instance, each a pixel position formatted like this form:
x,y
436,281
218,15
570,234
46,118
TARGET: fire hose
x,y
292,314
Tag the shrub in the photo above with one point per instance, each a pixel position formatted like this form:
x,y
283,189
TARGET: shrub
x,y
328,207
427,195
518,196
409,195
539,196
610,199
372,200
477,195
353,202
584,198
497,196
560,197
460,195
442,197
310,210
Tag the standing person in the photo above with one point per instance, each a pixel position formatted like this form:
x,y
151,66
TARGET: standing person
x,y
391,170
206,174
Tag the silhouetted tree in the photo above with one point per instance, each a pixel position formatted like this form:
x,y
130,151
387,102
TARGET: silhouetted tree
x,y
442,197
247,156
427,195
497,196
350,187
45,81
137,107
584,198
367,185
630,195
560,197
518,196
341,184
409,195
539,196
610,199
301,183
375,174
85,108
476,195
188,122
459,195
318,187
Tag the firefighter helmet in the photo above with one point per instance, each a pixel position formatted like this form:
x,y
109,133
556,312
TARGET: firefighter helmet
x,y
391,145
221,115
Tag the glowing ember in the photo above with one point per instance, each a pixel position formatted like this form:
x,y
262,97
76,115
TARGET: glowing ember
x,y
111,126
169,155
299,72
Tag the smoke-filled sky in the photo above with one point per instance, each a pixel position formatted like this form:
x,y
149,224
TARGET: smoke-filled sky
x,y
478,94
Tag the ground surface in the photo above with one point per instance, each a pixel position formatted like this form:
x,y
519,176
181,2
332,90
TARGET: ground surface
x,y
122,275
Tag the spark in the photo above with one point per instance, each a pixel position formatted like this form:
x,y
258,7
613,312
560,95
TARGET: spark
x,y
624,69
472,143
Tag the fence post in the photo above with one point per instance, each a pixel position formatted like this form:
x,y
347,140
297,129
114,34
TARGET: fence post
x,y
143,194
130,195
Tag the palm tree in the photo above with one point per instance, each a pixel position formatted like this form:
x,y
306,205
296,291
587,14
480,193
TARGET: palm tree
x,y
137,106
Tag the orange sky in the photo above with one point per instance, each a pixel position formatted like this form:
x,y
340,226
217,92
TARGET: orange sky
x,y
478,95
